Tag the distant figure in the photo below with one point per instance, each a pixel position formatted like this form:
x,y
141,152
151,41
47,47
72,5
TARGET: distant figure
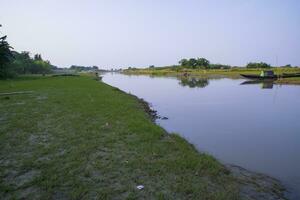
x,y
267,73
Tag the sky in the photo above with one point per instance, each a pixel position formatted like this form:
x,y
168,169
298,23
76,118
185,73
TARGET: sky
x,y
139,33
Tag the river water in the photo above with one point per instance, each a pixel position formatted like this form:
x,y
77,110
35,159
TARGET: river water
x,y
253,125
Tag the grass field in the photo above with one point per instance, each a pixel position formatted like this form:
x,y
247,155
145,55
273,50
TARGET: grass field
x,y
76,138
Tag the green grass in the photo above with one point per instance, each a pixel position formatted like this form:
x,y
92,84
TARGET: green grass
x,y
76,138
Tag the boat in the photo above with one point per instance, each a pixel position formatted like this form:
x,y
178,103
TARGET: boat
x,y
258,77
269,75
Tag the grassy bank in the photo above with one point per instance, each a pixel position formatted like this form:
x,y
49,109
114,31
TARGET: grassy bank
x,y
232,73
75,138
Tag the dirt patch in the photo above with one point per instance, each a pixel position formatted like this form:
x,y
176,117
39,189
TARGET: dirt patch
x,y
26,177
40,98
29,193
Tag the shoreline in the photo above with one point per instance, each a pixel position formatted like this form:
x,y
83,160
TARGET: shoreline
x,y
253,185
215,74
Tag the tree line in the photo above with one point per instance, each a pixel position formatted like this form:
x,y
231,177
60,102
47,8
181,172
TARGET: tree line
x,y
13,63
258,65
203,63
84,68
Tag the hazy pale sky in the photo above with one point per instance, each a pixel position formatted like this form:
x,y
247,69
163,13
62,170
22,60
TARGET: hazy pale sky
x,y
136,33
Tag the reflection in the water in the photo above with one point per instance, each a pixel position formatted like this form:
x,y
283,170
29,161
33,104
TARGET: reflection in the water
x,y
264,84
193,82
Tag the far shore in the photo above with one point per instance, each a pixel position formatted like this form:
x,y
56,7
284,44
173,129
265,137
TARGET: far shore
x,y
213,73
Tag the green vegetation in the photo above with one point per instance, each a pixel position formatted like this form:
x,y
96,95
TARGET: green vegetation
x,y
199,63
203,67
5,57
202,63
194,63
13,63
260,65
24,64
84,68
76,138
233,72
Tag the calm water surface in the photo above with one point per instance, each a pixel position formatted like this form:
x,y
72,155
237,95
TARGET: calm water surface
x,y
256,126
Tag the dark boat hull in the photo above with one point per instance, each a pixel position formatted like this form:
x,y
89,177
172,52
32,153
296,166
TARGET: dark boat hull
x,y
257,77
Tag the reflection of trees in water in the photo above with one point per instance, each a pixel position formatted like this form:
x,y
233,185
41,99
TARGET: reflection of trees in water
x,y
194,82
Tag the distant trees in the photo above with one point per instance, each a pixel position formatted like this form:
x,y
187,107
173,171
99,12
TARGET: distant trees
x,y
287,66
184,62
37,57
258,65
219,66
194,63
24,64
201,63
84,68
95,68
13,63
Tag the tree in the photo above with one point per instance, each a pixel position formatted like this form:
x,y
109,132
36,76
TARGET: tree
x,y
38,57
183,62
6,56
95,68
202,62
287,66
194,63
258,65
25,61
13,63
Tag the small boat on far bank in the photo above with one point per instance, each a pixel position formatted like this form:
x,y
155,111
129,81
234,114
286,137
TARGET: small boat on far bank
x,y
258,77
269,75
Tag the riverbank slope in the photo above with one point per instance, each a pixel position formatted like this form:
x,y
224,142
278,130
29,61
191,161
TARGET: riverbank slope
x,y
76,138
